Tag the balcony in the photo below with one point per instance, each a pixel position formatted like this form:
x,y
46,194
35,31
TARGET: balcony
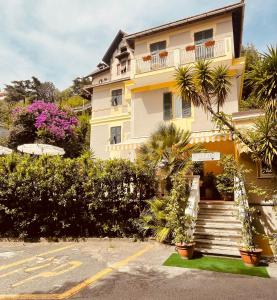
x,y
154,62
202,52
110,111
190,54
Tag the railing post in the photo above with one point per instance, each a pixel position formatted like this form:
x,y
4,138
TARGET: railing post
x,y
176,57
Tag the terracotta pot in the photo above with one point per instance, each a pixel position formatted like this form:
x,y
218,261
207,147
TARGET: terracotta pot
x,y
146,58
163,54
185,250
251,258
209,43
190,48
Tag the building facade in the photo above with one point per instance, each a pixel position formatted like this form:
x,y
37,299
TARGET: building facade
x,y
133,91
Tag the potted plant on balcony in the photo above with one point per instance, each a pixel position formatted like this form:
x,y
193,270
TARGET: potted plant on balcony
x,y
190,48
146,58
209,43
163,54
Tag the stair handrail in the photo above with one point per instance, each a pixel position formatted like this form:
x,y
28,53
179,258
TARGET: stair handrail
x,y
244,212
193,200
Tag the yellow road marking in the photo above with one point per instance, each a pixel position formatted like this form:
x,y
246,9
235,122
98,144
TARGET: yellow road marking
x,y
103,273
41,266
73,265
74,290
23,261
11,272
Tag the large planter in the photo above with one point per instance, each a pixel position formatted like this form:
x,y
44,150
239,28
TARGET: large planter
x,y
185,250
251,258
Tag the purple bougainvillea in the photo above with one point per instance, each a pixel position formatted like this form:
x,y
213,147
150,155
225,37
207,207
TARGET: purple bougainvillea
x,y
50,119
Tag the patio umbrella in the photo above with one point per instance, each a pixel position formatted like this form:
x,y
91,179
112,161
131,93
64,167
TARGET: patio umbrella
x,y
5,150
40,149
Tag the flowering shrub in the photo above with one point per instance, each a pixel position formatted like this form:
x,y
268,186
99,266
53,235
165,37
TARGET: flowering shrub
x,y
46,123
49,118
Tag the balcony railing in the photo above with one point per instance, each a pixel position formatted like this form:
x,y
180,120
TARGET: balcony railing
x,y
154,62
203,52
179,57
105,112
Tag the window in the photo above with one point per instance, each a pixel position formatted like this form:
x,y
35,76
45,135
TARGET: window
x,y
202,52
116,97
264,171
115,135
128,64
123,49
203,36
182,108
157,47
118,69
167,106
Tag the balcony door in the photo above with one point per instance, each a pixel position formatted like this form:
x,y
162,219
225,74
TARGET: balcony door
x,y
200,38
156,61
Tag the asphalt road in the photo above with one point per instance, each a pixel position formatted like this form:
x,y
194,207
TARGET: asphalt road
x,y
115,269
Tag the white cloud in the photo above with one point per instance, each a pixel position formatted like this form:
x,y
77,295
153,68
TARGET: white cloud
x,y
58,40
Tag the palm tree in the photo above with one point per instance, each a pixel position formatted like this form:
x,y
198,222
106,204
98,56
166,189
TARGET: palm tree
x,y
168,148
262,79
208,87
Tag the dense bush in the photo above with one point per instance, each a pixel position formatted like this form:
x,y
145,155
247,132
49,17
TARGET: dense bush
x,y
53,196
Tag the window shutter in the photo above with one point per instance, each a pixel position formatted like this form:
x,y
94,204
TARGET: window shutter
x,y
178,107
167,106
186,108
116,97
156,47
115,135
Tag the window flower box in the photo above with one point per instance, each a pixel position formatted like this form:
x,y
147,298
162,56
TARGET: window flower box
x,y
190,48
146,58
163,54
209,43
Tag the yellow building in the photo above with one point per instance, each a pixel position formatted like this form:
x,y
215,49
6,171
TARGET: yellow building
x,y
133,89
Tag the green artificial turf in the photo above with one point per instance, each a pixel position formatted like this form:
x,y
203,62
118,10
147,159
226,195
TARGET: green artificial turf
x,y
216,264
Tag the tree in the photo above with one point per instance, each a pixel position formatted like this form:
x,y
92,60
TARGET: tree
x,y
30,91
78,87
169,146
18,91
262,79
252,58
208,88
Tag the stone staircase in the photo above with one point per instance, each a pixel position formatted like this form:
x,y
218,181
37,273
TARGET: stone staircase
x,y
217,228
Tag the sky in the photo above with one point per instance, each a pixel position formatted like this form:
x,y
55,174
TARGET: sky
x,y
59,40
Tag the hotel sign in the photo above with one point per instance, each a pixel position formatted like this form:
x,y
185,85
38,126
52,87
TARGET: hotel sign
x,y
205,156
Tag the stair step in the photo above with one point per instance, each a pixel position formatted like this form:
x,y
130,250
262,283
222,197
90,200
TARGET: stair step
x,y
220,202
217,218
223,226
203,236
217,206
216,232
224,242
219,250
214,212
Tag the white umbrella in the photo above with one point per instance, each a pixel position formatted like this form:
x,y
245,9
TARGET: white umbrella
x,y
40,149
5,150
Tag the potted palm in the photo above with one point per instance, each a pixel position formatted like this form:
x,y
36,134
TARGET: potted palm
x,y
249,252
181,223
183,236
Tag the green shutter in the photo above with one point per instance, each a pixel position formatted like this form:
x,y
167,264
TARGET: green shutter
x,y
115,135
167,106
186,108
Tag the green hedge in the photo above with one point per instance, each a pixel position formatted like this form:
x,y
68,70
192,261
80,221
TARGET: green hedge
x,y
57,197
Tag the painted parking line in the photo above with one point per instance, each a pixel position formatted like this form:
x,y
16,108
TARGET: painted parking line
x,y
77,288
23,261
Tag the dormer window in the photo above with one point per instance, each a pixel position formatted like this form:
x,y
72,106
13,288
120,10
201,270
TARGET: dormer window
x,y
116,97
123,49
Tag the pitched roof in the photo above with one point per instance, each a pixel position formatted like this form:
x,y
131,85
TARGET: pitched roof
x,y
107,57
237,11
